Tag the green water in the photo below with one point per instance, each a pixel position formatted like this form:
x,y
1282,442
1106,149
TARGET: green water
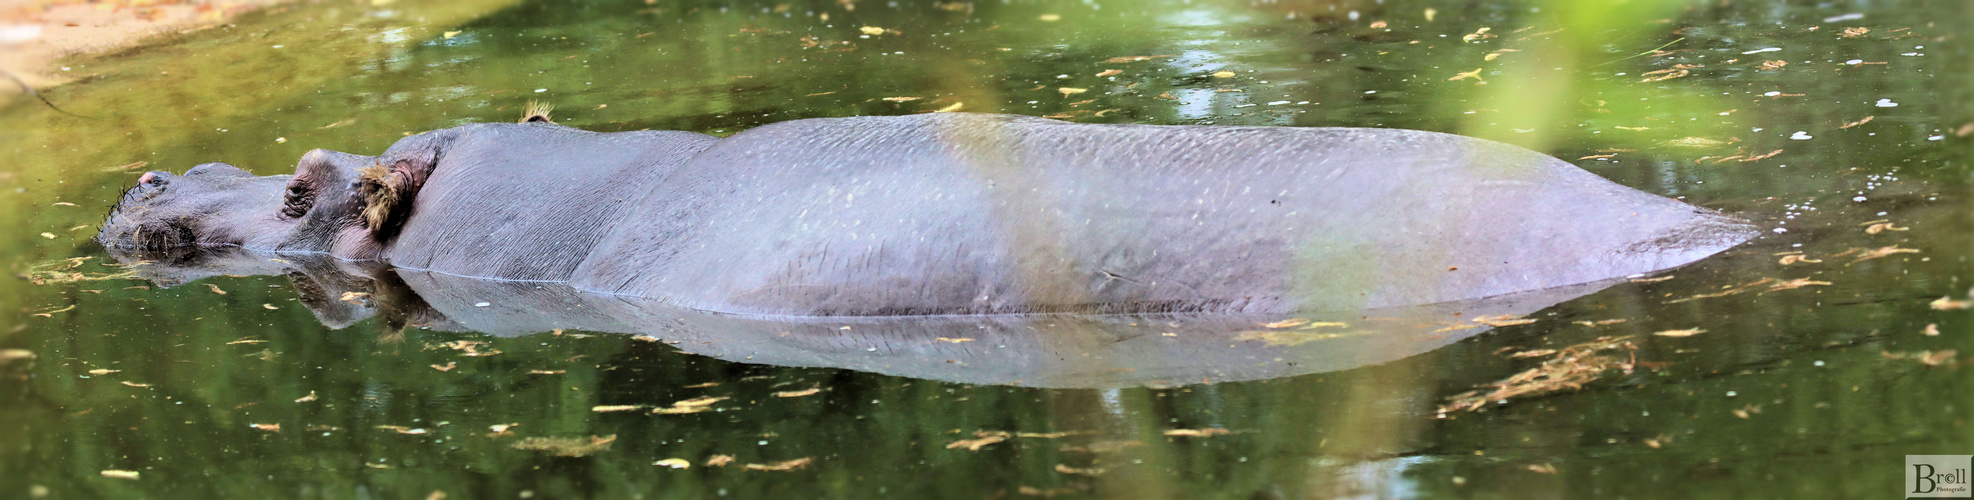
x,y
1789,392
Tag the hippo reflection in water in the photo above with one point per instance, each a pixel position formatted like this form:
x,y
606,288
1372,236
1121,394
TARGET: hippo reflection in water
x,y
948,214
1034,350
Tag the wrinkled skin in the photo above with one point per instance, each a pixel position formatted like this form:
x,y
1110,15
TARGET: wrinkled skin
x,y
946,214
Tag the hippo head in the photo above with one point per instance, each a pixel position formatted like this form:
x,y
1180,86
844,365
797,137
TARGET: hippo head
x,y
318,209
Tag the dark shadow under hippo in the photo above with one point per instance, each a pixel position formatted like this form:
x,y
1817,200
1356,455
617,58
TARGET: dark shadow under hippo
x,y
950,214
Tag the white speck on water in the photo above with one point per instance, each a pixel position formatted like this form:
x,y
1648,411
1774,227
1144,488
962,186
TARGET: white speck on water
x,y
1844,17
1935,137
1731,394
1757,129
1780,230
1772,93
279,46
482,304
538,91
1912,54
1887,103
1859,198
871,349
1800,136
1819,362
1277,103
1370,91
1854,62
1769,49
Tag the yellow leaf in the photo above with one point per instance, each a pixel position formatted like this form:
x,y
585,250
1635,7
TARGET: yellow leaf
x,y
1681,333
676,463
872,30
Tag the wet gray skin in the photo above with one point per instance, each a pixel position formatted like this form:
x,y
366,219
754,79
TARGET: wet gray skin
x,y
945,214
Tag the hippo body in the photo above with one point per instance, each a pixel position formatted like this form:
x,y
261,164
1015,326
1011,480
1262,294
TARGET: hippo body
x,y
953,214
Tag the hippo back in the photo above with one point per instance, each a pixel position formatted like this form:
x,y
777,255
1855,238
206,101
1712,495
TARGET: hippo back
x,y
968,214
527,201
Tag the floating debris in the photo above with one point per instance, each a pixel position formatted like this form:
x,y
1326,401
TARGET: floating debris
x,y
304,399
1534,353
984,438
1126,59
611,408
446,367
1745,411
796,394
1570,368
1199,433
215,289
1794,284
953,340
1882,252
1601,322
782,466
1658,441
1796,257
1110,72
1928,358
104,371
567,446
1069,91
403,430
1091,471
121,474
9,355
1542,468
719,460
1502,320
501,429
1726,291
1856,123
676,463
1932,330
1475,74
63,271
267,427
1945,303
694,405
1223,74
134,384
1680,333
1879,226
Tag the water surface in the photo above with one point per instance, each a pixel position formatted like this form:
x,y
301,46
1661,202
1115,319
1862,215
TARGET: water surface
x,y
1841,128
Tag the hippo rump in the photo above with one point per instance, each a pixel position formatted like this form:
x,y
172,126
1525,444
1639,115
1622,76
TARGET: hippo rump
x,y
949,214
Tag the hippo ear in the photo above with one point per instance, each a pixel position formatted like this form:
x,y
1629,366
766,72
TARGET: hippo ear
x,y
388,186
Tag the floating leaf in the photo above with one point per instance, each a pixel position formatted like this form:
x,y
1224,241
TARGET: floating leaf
x,y
1502,320
304,399
610,408
1092,471
952,340
1207,432
1680,333
676,463
800,393
1223,74
719,460
1475,74
782,466
976,444
1948,304
121,474
1126,59
103,371
267,427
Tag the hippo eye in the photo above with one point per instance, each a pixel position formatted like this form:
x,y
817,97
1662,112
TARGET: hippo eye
x,y
297,201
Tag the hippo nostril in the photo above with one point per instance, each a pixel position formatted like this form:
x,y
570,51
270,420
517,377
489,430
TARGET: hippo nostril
x,y
147,178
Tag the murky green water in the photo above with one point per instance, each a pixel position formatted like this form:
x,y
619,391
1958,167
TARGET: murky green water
x,y
1814,375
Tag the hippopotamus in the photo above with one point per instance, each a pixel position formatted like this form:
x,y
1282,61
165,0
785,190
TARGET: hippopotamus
x,y
949,214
